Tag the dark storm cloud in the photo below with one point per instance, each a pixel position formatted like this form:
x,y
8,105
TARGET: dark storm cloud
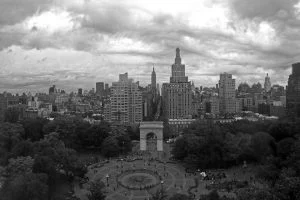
x,y
107,19
8,39
153,37
14,11
264,9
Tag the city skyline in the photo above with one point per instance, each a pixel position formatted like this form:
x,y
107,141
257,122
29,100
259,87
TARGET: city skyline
x,y
74,44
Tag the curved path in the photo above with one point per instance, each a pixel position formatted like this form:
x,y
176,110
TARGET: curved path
x,y
173,177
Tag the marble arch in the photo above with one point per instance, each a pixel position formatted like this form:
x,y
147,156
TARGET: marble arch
x,y
155,127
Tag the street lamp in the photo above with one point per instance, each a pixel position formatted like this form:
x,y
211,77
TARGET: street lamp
x,y
107,176
162,184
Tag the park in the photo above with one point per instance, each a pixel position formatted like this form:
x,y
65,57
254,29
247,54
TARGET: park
x,y
68,159
148,168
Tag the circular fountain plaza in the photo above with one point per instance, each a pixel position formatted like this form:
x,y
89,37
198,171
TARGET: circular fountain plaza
x,y
137,177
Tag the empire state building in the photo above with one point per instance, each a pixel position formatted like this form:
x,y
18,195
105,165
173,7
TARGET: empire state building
x,y
177,95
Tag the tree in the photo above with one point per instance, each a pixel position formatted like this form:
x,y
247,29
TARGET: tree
x,y
53,157
97,191
179,196
65,127
34,128
213,195
44,164
28,186
281,130
235,146
11,115
81,134
288,185
70,164
124,143
269,171
96,134
211,153
133,132
199,152
110,147
179,152
19,166
23,148
10,135
253,193
200,128
284,147
167,133
262,146
51,146
160,194
294,158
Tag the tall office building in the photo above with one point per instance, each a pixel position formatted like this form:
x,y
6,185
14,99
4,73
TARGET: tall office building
x,y
100,89
106,90
267,85
293,93
52,90
153,80
227,94
79,92
126,101
177,95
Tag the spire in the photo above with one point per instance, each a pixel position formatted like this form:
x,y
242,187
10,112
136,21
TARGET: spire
x,y
178,58
153,79
153,71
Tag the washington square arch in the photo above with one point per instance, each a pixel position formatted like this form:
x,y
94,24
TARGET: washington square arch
x,y
153,127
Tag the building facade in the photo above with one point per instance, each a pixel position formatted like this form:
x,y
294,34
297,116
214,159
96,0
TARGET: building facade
x,y
100,89
293,93
227,94
153,80
267,84
125,101
177,95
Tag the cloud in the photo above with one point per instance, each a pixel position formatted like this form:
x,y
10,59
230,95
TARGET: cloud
x,y
266,9
97,40
13,11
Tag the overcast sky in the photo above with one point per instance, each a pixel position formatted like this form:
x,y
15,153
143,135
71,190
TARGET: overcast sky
x,y
75,43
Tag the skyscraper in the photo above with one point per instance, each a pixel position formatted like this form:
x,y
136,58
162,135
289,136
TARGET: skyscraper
x,y
153,80
293,93
177,95
79,92
100,89
267,85
227,94
126,101
52,90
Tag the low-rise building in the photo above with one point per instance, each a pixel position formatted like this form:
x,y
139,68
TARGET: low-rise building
x,y
177,125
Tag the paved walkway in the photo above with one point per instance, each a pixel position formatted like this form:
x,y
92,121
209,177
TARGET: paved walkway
x,y
172,176
175,180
